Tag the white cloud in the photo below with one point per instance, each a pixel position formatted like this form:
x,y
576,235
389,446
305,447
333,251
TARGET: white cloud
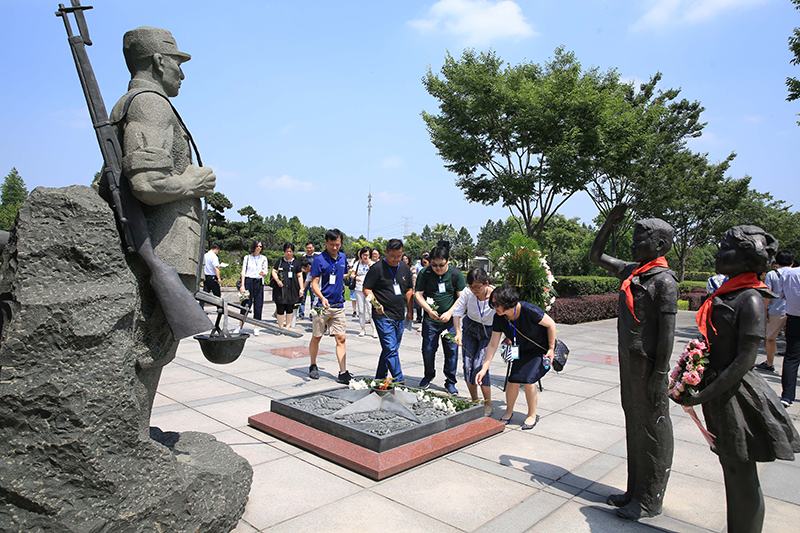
x,y
392,161
77,118
755,119
665,13
385,197
223,174
478,22
286,183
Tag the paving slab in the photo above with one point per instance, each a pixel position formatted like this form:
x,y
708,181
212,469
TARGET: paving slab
x,y
552,478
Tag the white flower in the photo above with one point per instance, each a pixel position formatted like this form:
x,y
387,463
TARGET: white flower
x,y
358,384
429,300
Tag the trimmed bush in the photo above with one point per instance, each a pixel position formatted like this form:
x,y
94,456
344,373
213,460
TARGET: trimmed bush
x,y
585,308
569,286
695,299
683,305
692,286
697,276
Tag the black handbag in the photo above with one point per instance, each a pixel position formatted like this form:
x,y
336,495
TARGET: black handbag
x,y
560,355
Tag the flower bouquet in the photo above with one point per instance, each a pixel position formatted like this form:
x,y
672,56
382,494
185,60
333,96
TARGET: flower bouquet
x,y
686,377
319,310
244,296
688,373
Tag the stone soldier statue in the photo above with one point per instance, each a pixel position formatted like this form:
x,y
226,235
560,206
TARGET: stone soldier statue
x,y
648,306
157,163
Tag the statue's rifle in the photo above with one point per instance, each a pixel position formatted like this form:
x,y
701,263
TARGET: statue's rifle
x,y
184,315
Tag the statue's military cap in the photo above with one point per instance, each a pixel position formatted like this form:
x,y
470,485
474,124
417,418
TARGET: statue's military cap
x,y
143,42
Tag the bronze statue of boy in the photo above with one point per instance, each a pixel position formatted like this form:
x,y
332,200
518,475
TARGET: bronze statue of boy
x,y
648,305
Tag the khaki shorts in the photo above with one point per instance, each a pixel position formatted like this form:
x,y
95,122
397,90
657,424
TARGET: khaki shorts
x,y
333,318
775,325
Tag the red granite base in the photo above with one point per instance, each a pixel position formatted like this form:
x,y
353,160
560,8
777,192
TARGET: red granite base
x,y
372,464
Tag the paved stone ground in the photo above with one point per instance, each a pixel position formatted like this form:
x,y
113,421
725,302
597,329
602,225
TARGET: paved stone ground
x,y
553,478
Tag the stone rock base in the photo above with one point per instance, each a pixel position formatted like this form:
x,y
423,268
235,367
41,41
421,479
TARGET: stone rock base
x,y
73,454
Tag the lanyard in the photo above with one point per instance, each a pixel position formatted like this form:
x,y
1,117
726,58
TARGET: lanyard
x,y
332,263
481,309
394,274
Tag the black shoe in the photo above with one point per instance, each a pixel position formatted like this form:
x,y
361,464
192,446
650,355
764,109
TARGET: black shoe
x,y
344,377
424,384
765,367
313,372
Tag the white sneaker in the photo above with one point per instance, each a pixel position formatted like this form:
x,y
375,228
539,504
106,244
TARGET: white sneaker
x,y
255,332
236,330
374,334
362,334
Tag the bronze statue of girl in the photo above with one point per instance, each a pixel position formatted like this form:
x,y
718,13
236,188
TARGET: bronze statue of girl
x,y
745,415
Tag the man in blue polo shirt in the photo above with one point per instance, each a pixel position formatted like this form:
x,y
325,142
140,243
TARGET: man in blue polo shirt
x,y
327,283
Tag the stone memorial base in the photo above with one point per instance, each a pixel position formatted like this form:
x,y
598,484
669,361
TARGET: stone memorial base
x,y
375,454
76,450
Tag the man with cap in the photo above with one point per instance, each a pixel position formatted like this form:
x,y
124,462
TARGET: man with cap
x,y
157,165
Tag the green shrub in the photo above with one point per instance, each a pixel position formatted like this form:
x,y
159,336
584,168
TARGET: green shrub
x,y
697,276
689,286
586,285
683,305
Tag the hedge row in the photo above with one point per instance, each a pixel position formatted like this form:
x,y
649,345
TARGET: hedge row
x,y
568,286
585,308
697,276
582,309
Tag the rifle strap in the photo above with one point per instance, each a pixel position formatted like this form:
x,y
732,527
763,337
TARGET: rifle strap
x,y
177,115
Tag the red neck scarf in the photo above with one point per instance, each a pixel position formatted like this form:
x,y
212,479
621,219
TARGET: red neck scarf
x,y
747,280
626,285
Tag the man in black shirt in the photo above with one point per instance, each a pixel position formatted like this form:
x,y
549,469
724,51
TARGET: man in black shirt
x,y
389,283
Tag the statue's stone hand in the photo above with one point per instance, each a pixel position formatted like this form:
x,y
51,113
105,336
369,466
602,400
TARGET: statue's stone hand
x,y
199,180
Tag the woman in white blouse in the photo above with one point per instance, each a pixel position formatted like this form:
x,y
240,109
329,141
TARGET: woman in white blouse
x,y
254,268
359,270
474,332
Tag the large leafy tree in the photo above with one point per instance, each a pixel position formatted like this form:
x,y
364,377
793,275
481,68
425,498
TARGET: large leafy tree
x,y
463,247
649,127
524,135
694,196
12,193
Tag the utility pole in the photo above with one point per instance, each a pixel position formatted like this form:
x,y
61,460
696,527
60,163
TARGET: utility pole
x,y
369,210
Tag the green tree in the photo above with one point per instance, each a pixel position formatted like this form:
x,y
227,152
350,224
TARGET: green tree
x,y
649,126
774,216
693,196
524,135
13,194
792,83
463,248
414,246
217,223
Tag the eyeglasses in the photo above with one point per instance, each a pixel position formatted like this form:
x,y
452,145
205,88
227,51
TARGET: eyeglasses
x,y
439,265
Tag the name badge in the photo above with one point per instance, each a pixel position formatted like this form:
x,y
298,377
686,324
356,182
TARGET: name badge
x,y
514,352
441,287
396,289
332,279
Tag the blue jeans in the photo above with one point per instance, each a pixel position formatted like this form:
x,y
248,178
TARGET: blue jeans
x,y
430,343
390,333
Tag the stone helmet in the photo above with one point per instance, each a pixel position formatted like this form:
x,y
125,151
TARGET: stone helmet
x,y
139,45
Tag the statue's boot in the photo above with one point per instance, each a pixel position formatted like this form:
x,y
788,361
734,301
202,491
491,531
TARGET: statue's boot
x,y
635,510
618,500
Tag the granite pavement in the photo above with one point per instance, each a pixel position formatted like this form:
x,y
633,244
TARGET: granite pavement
x,y
552,478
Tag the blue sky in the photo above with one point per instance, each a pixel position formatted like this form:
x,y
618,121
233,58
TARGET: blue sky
x,y
302,107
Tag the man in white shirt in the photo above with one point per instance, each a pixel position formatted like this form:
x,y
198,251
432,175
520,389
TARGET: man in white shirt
x,y
212,279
